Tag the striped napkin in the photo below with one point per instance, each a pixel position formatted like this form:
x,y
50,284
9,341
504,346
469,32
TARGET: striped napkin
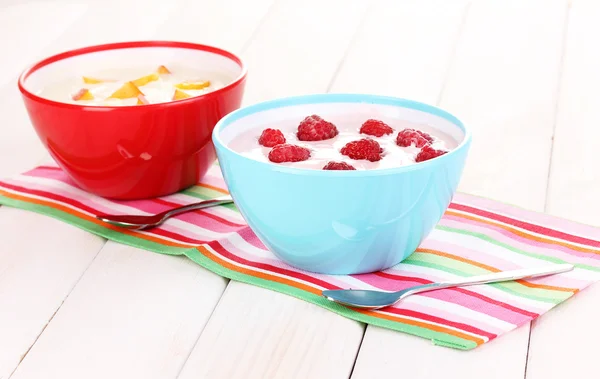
x,y
475,236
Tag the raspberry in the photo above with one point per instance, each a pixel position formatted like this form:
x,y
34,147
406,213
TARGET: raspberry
x,y
427,153
409,137
271,137
365,148
338,166
288,153
375,128
314,128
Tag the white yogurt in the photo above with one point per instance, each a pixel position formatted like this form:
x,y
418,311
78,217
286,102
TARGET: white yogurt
x,y
159,91
323,152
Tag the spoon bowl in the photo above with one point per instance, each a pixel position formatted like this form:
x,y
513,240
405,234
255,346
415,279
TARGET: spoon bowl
x,y
365,299
132,222
140,222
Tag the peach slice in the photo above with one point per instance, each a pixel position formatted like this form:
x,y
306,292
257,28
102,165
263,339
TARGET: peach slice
x,y
178,95
83,94
90,80
193,85
142,100
163,70
127,91
145,80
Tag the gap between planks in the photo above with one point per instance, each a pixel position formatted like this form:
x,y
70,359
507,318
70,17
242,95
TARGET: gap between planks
x,y
557,102
554,124
56,311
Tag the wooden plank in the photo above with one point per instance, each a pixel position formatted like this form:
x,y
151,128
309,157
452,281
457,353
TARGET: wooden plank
x,y
23,149
20,148
256,333
136,313
229,24
489,63
133,314
385,352
403,49
574,178
297,50
504,85
53,18
562,341
41,260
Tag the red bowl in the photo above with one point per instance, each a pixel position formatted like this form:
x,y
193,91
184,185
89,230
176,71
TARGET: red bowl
x,y
132,152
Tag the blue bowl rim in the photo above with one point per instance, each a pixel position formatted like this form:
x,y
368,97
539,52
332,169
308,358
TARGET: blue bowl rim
x,y
342,98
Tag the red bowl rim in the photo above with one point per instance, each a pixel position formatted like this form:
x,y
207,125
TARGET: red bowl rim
x,y
128,45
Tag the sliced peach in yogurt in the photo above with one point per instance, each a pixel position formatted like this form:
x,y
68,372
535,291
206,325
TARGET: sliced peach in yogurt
x,y
122,86
193,85
90,80
178,95
163,70
127,91
145,80
83,94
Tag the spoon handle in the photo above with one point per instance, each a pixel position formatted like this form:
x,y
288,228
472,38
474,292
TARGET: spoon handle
x,y
203,204
496,277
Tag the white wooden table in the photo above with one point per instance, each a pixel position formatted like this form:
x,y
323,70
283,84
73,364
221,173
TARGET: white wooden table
x,y
523,73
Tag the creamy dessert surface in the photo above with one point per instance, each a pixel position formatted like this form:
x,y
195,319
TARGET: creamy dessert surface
x,y
153,86
322,152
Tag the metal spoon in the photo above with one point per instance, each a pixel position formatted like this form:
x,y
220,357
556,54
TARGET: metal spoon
x,y
145,222
378,299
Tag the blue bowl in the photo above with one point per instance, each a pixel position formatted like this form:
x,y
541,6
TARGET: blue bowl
x,y
340,222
